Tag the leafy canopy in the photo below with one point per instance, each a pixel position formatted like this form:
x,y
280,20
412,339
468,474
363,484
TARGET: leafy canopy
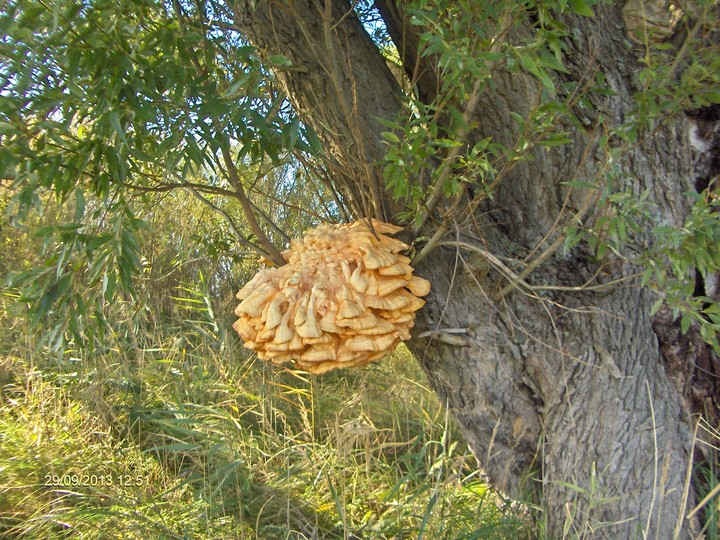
x,y
106,106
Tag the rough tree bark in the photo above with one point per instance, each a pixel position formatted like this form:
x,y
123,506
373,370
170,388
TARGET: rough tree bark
x,y
557,388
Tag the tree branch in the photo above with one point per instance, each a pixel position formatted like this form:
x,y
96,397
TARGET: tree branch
x,y
169,186
273,254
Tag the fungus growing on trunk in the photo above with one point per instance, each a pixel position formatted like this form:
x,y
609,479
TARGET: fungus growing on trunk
x,y
345,297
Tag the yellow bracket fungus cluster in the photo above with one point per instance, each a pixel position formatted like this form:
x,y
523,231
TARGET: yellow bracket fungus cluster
x,y
346,297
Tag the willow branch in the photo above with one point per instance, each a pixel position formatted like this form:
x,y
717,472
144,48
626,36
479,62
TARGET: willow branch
x,y
326,183
234,178
441,230
446,167
163,187
286,204
517,282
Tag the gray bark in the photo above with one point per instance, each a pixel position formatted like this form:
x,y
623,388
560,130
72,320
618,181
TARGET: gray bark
x,y
545,393
560,391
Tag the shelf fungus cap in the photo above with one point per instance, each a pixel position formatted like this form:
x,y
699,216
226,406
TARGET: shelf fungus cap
x,y
346,297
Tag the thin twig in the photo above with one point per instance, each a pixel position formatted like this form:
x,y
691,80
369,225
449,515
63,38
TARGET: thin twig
x,y
655,462
518,282
559,241
271,223
163,187
325,182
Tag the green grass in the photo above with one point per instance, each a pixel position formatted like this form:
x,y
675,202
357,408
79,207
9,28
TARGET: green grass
x,y
177,433
173,431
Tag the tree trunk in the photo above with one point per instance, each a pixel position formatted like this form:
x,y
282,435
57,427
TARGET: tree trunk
x,y
568,390
558,388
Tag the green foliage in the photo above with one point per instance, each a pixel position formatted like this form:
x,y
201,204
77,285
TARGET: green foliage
x,y
678,79
105,108
618,221
430,154
110,93
693,248
624,219
709,494
427,148
80,275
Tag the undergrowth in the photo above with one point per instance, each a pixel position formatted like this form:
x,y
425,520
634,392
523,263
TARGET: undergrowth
x,y
174,432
